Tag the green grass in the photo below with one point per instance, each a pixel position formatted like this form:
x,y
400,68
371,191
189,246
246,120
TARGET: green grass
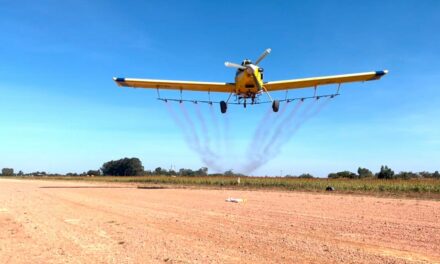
x,y
412,187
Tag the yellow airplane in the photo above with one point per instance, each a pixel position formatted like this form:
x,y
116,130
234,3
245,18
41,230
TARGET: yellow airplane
x,y
249,84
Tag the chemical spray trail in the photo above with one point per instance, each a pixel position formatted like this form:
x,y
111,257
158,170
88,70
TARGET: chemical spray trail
x,y
261,135
206,142
274,134
190,125
227,146
258,153
217,131
306,117
258,135
287,122
313,109
205,155
192,137
284,131
262,130
272,131
179,123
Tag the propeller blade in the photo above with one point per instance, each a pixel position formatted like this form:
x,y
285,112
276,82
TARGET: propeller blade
x,y
265,53
234,65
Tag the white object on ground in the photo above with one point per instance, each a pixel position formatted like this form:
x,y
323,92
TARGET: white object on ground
x,y
235,200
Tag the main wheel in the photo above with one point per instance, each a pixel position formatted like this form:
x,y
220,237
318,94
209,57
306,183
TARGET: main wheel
x,y
276,105
223,107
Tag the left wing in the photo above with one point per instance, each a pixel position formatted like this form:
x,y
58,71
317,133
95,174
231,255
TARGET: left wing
x,y
176,85
316,81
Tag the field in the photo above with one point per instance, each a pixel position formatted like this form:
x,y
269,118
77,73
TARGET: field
x,y
47,221
421,188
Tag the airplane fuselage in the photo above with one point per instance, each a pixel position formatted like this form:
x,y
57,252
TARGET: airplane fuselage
x,y
248,82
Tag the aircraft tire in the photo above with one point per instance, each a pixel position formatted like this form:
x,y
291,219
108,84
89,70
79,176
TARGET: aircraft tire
x,y
276,105
223,107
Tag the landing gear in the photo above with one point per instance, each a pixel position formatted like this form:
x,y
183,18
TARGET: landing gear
x,y
223,107
276,105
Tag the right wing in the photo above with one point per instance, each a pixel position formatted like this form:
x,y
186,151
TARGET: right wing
x,y
316,81
176,85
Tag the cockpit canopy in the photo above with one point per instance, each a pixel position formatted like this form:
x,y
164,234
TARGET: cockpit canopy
x,y
246,62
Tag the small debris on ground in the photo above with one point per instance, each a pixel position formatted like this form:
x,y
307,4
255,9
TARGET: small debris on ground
x,y
235,200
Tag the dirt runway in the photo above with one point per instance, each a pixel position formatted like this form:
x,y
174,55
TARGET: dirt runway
x,y
81,222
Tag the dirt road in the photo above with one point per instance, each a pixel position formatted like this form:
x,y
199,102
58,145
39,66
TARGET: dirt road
x,y
77,222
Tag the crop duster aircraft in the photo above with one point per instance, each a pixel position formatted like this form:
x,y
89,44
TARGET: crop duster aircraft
x,y
249,84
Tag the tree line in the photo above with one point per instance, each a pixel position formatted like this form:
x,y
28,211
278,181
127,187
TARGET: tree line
x,y
134,167
123,167
384,173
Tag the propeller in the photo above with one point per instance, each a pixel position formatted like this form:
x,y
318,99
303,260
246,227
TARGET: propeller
x,y
251,70
234,65
238,66
262,56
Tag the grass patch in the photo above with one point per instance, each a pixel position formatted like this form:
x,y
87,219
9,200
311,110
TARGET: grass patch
x,y
411,187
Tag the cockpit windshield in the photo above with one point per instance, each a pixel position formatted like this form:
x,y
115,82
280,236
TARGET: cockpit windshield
x,y
246,62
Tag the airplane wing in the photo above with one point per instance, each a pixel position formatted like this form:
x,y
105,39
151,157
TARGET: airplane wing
x,y
176,85
317,81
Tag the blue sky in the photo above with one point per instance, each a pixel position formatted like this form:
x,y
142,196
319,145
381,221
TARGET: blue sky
x,y
61,111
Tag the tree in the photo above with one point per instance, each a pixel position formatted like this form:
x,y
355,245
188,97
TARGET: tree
x,y
162,172
123,167
342,174
425,174
332,175
364,173
406,175
186,172
229,173
7,172
158,171
203,171
94,172
306,176
385,173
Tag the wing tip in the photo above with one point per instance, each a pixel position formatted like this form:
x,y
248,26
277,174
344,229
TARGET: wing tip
x,y
118,79
381,73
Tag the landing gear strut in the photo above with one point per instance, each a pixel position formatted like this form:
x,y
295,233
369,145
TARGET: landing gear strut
x,y
275,105
223,107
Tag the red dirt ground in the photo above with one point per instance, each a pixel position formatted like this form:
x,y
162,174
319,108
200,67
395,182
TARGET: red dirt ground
x,y
78,222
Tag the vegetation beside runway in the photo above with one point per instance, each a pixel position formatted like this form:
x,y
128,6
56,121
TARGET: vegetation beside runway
x,y
423,188
405,183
